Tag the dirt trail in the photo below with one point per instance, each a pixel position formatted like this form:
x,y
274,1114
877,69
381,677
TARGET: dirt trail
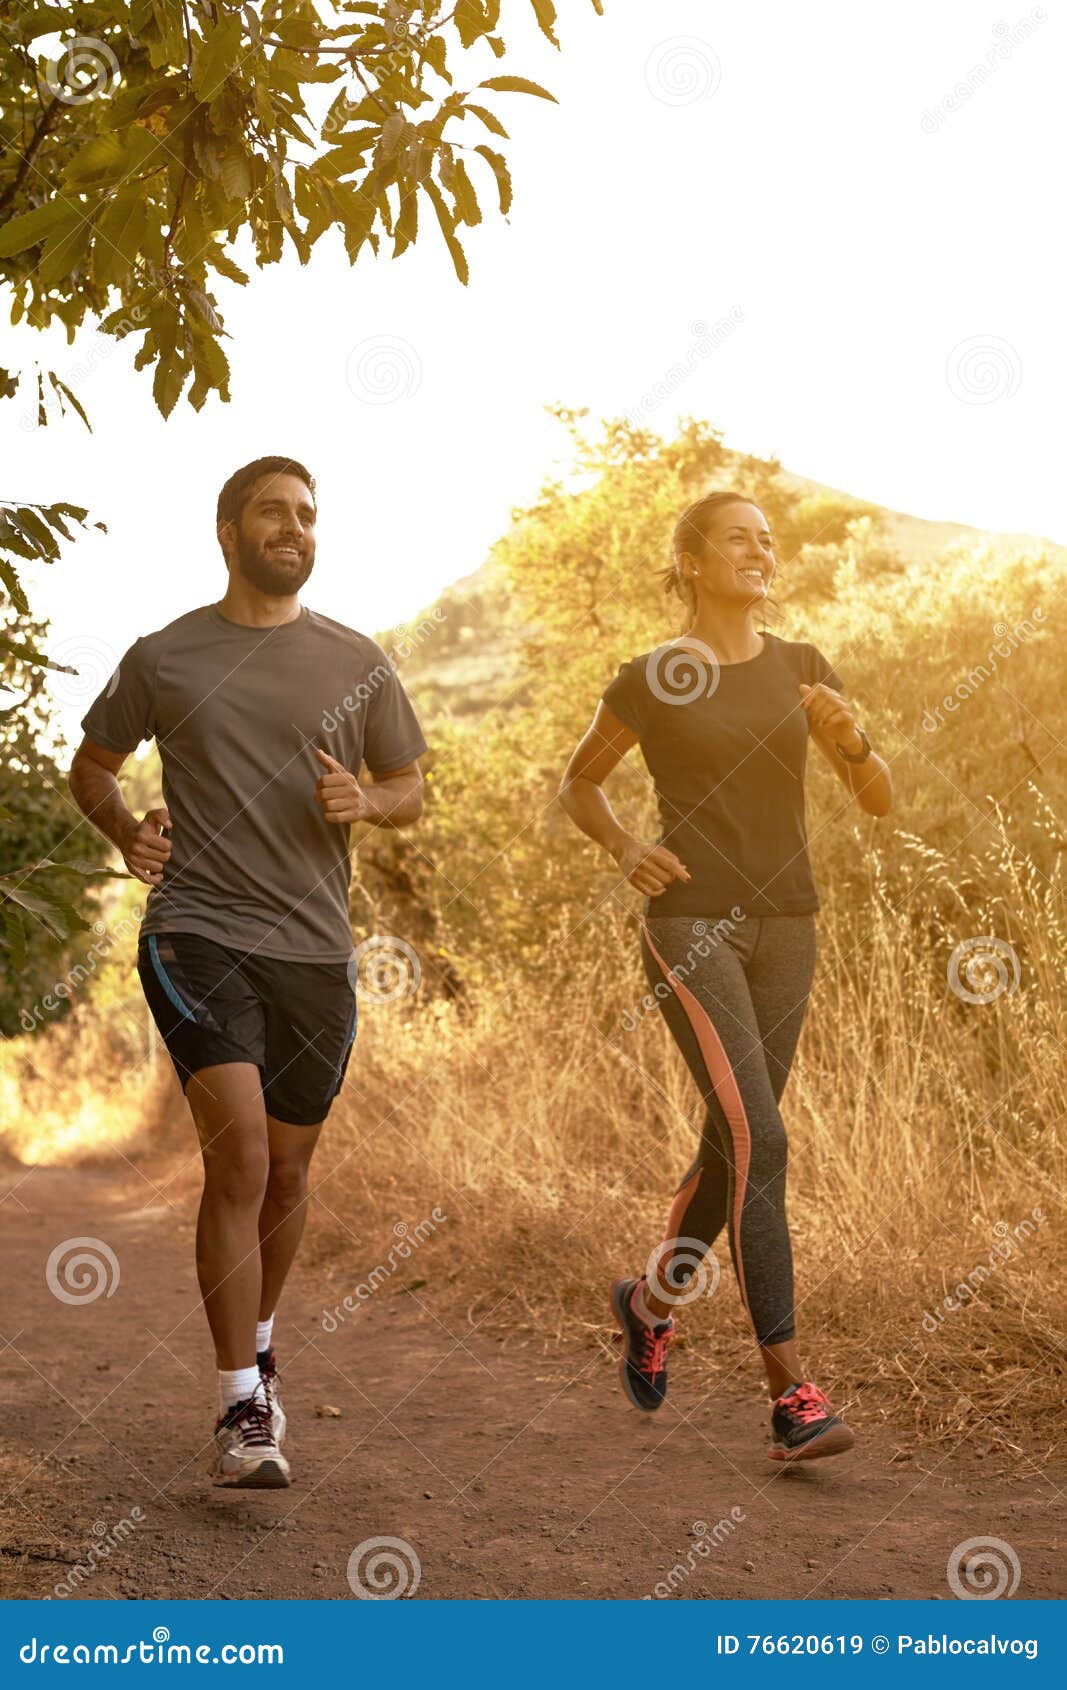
x,y
509,1473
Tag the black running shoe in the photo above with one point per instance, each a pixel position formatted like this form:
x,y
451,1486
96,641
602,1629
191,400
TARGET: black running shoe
x,y
643,1368
805,1426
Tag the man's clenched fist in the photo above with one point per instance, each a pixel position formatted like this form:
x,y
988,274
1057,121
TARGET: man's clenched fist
x,y
145,850
339,793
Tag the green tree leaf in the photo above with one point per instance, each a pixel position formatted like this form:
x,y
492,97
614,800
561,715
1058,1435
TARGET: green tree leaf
x,y
217,55
66,397
498,165
448,229
119,236
546,18
490,119
235,174
467,205
518,85
170,377
32,227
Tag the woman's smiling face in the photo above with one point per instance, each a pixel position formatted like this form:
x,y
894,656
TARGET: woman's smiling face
x,y
738,556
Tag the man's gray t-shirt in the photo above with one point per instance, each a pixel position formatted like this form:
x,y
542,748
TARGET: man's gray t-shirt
x,y
236,713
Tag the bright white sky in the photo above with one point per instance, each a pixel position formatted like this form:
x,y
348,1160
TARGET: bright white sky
x,y
766,160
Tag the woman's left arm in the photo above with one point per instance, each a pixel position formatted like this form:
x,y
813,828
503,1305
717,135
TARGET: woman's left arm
x,y
832,722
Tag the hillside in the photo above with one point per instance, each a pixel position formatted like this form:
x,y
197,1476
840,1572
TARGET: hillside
x,y
470,663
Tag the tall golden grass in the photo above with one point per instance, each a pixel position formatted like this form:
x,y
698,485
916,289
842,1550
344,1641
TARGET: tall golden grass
x,y
925,1139
926,1130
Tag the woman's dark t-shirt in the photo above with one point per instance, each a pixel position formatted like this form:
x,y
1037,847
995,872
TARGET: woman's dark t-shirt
x,y
726,746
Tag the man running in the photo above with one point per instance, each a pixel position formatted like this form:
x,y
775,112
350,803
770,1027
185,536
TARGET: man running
x,y
264,712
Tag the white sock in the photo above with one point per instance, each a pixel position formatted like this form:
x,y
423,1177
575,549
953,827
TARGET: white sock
x,y
236,1386
264,1328
641,1308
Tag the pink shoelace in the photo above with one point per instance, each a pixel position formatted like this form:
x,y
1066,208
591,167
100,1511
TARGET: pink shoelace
x,y
654,1350
806,1404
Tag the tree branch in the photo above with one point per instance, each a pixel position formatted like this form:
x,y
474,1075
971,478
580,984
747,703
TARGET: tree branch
x,y
41,128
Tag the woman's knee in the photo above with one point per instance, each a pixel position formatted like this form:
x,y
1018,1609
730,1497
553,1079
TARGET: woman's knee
x,y
769,1152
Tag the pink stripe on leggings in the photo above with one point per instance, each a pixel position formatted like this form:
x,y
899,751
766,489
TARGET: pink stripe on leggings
x,y
728,1094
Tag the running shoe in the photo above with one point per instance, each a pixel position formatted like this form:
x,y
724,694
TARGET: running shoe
x,y
268,1373
805,1426
643,1367
245,1453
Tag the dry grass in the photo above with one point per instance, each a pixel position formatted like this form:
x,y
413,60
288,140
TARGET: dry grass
x,y
924,1130
925,1136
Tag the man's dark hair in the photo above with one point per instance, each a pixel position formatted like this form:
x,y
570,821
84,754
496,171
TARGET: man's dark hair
x,y
235,492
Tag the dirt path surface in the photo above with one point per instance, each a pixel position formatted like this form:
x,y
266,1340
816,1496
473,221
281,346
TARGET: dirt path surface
x,y
506,1472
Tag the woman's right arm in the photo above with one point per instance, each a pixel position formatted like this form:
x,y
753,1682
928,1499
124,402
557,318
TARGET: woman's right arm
x,y
648,868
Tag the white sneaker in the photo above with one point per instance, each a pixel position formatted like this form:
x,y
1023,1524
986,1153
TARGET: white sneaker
x,y
269,1379
246,1453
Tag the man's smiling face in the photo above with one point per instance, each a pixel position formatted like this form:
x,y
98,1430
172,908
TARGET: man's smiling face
x,y
273,539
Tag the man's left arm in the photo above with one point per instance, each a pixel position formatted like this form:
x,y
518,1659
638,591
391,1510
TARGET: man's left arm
x,y
389,798
394,796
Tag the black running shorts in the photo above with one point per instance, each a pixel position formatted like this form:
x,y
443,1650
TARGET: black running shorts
x,y
295,1020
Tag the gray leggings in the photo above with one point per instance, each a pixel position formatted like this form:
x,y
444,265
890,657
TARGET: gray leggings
x,y
734,994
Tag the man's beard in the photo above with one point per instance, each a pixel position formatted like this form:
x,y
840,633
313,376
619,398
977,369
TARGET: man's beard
x,y
274,575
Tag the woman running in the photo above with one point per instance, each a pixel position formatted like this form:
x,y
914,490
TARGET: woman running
x,y
723,715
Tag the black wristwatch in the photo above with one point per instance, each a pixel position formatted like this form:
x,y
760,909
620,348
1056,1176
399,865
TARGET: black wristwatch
x,y
855,756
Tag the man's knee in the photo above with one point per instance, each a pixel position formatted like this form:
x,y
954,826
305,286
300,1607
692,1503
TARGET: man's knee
x,y
287,1182
236,1173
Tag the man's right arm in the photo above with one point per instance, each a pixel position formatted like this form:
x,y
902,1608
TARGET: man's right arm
x,y
95,789
97,792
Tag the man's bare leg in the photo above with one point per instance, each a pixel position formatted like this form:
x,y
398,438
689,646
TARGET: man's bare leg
x,y
284,1208
226,1101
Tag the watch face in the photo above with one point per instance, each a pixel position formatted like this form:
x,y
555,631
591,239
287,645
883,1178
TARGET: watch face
x,y
862,754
